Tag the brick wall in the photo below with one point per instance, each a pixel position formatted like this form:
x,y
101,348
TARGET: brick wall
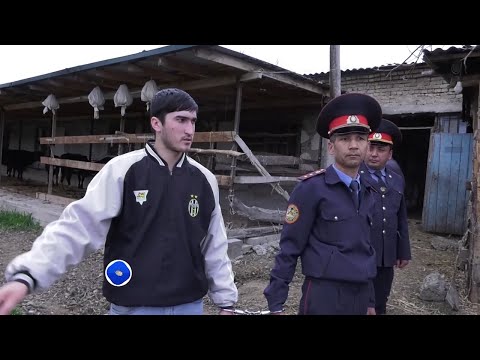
x,y
409,89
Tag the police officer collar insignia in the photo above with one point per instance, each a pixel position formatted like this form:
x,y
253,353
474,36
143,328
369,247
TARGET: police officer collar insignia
x,y
140,196
118,273
193,206
292,214
313,173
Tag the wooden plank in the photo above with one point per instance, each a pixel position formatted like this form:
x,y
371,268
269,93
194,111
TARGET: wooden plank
x,y
444,183
259,166
464,174
55,199
200,137
258,214
228,153
85,165
243,233
263,179
456,182
224,180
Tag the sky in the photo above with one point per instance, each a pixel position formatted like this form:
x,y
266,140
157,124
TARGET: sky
x,y
19,62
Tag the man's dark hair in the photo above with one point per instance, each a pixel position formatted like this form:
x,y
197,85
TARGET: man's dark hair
x,y
170,100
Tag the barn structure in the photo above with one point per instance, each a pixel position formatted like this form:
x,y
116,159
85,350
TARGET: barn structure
x,y
256,128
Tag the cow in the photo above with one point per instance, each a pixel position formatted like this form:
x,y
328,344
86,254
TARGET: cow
x,y
68,171
17,160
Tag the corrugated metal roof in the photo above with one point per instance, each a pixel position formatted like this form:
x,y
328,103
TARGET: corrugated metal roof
x,y
451,50
371,69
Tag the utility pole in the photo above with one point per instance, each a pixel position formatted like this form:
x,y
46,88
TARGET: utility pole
x,y
335,90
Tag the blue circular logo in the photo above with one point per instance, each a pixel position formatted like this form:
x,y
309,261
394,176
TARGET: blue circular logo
x,y
118,272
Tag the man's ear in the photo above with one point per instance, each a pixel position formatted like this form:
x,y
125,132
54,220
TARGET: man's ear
x,y
156,124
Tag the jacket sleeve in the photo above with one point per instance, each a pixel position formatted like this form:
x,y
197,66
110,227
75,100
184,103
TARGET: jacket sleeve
x,y
81,229
218,267
403,244
299,219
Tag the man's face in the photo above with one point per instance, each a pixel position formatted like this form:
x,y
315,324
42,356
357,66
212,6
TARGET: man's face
x,y
348,149
378,155
176,133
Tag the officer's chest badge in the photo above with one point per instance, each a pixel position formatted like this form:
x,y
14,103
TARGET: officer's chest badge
x,y
140,196
193,206
292,214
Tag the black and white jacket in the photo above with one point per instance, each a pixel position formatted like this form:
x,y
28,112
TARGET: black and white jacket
x,y
164,235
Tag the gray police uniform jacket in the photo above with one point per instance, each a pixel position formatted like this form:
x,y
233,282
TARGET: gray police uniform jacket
x,y
324,229
390,236
164,235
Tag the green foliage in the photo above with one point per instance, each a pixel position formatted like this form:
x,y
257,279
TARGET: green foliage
x,y
16,221
16,311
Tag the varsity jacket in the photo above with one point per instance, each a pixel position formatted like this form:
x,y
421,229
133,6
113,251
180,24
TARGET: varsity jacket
x,y
163,232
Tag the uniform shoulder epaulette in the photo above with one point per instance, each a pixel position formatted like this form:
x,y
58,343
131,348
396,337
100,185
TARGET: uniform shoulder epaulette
x,y
313,173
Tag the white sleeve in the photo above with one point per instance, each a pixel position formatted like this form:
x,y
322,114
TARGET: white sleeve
x,y
218,267
80,230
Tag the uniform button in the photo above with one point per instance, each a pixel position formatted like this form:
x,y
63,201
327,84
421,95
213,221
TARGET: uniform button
x,y
336,218
371,223
383,196
384,208
384,220
383,231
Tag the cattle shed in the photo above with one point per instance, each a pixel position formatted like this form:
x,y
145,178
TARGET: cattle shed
x,y
256,120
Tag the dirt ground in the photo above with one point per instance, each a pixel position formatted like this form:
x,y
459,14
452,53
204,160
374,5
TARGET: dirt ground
x,y
79,291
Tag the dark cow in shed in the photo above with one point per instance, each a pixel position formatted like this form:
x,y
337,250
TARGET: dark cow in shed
x,y
17,160
67,172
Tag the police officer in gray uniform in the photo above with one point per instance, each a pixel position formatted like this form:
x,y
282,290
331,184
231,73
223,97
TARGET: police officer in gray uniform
x,y
390,226
328,219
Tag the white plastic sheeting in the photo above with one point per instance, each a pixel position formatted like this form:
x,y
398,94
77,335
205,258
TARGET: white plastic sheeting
x,y
148,92
123,98
96,100
50,103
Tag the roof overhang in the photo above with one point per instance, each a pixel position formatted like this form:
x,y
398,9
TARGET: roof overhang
x,y
209,73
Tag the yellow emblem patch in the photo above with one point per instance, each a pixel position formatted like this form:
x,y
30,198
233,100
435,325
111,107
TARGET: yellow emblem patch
x,y
292,214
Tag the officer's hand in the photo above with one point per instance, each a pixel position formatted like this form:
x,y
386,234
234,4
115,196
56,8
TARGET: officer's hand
x,y
371,311
11,294
402,263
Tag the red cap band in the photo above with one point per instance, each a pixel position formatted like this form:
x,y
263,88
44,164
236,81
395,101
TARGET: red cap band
x,y
348,120
381,137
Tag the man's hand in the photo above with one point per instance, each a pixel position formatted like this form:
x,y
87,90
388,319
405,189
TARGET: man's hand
x,y
402,263
226,312
11,294
371,311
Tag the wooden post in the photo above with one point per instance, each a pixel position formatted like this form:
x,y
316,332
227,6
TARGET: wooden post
x,y
122,130
335,90
474,270
236,128
90,146
52,155
2,129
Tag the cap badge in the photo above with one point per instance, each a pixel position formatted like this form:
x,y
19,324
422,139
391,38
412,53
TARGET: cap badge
x,y
352,119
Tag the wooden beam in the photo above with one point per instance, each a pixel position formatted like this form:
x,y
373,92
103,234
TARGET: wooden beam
x,y
85,165
259,166
200,137
136,93
231,61
216,151
175,65
263,179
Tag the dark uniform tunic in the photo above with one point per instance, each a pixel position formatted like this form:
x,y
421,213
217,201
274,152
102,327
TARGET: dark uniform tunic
x,y
389,229
332,238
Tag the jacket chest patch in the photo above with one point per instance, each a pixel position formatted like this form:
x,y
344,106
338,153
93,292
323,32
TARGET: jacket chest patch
x,y
140,196
193,206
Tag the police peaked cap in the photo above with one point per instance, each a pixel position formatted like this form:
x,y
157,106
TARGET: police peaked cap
x,y
348,113
386,133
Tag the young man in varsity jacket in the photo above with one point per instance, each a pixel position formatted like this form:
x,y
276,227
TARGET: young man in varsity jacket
x,y
157,213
